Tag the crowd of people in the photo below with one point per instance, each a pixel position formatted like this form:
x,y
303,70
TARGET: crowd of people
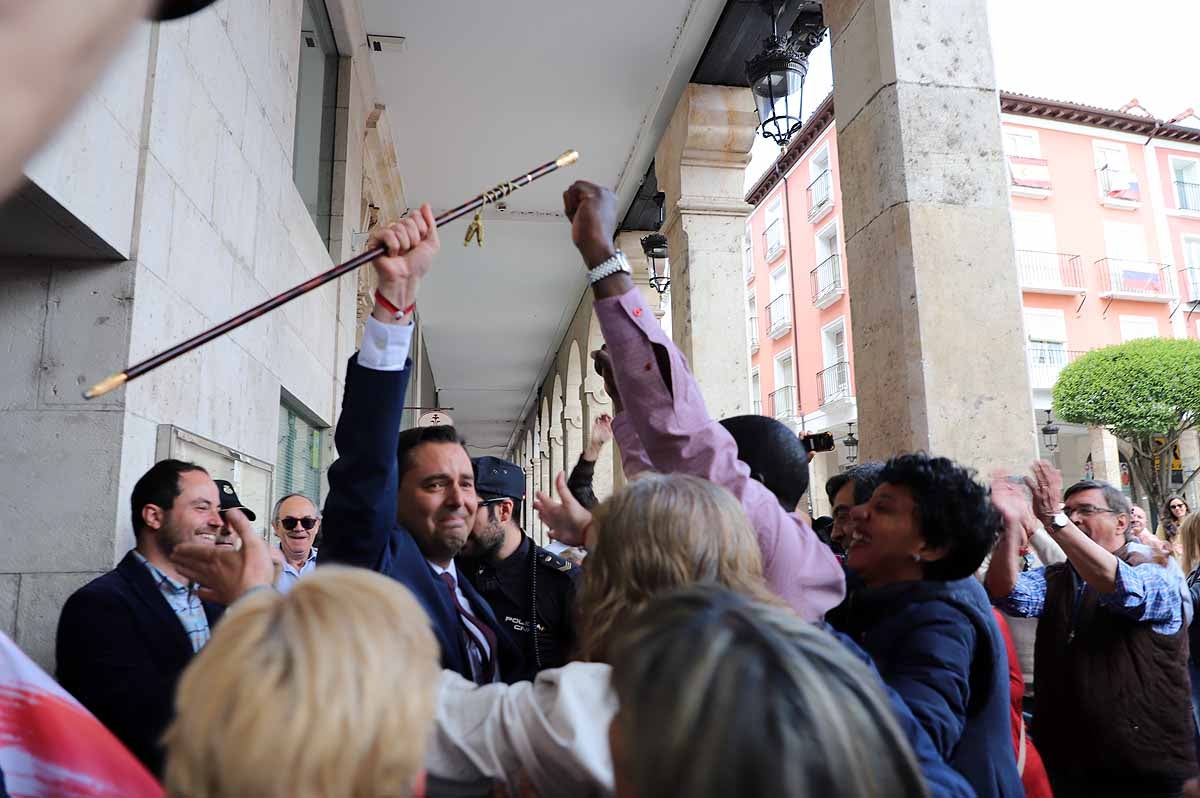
x,y
942,636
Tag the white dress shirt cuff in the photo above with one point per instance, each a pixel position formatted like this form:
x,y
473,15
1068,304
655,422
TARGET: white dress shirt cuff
x,y
385,346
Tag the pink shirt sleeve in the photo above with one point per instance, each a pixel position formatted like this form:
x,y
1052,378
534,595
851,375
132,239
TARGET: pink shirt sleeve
x,y
634,459
667,415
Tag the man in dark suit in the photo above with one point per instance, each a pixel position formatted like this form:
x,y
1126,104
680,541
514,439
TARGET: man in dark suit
x,y
399,503
124,638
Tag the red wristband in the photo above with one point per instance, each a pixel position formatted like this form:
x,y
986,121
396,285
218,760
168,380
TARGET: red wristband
x,y
391,308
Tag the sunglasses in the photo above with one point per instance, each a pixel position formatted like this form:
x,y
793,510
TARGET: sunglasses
x,y
289,523
1178,506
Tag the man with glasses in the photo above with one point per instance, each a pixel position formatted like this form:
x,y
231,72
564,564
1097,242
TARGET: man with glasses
x,y
296,522
531,590
1112,715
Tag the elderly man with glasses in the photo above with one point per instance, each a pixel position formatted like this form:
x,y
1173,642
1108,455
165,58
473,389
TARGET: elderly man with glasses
x,y
296,522
1112,715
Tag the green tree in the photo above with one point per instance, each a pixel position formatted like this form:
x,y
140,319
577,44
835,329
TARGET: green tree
x,y
1147,393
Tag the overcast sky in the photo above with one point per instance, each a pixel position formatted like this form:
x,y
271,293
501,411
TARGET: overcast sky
x,y
1099,52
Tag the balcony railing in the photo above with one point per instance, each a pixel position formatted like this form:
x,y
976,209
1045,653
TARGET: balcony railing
x,y
833,383
1118,184
826,279
1049,270
1189,276
1189,195
773,239
779,315
783,402
1029,174
1045,364
757,407
820,194
1132,278
752,332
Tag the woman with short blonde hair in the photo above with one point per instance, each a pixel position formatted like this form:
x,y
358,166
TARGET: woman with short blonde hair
x,y
662,532
326,691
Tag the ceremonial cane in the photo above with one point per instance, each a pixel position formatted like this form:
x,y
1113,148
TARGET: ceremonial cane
x,y
487,197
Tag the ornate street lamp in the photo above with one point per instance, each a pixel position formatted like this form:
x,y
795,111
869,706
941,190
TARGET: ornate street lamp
x,y
655,247
1050,434
776,75
851,444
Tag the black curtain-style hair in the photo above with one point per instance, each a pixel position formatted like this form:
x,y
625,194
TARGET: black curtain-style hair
x,y
952,508
158,486
410,439
774,454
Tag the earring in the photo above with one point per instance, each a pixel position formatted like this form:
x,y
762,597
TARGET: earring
x,y
916,558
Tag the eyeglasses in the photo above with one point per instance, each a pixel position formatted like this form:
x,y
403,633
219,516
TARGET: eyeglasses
x,y
1087,511
289,523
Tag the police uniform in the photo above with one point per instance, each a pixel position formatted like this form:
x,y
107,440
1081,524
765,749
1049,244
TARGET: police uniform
x,y
530,582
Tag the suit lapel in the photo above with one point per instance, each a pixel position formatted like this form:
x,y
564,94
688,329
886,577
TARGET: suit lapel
x,y
151,599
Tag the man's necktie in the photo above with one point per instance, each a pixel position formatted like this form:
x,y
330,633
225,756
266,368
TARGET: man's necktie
x,y
483,666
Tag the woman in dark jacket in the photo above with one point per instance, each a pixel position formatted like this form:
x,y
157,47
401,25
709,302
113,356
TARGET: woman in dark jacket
x,y
925,619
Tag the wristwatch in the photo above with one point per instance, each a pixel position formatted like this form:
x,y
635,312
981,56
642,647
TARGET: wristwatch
x,y
617,263
1060,521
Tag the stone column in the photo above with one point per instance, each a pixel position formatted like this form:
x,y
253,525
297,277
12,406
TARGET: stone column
x,y
1106,456
1189,453
938,349
701,163
823,466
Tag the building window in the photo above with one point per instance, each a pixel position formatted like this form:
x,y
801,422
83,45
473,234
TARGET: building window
x,y
783,398
1191,267
316,115
298,465
251,477
1021,143
755,393
1134,327
752,322
773,235
1117,180
820,187
1185,173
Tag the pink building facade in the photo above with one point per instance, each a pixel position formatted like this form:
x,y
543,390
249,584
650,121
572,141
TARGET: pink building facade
x,y
1106,227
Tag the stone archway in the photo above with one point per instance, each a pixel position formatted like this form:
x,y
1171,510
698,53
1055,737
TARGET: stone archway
x,y
574,435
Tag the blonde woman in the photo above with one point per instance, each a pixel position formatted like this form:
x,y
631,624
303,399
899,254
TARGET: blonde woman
x,y
326,691
657,534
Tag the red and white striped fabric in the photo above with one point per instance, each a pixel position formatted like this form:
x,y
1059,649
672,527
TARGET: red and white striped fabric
x,y
51,747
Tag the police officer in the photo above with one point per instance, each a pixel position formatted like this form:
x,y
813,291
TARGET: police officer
x,y
524,584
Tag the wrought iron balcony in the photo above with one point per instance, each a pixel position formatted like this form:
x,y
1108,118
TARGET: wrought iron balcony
x,y
779,316
1189,276
820,195
1045,364
1133,279
833,383
826,281
1051,272
783,402
1118,187
1189,195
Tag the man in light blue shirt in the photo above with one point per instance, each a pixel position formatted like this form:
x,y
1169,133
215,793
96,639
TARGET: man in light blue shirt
x,y
296,521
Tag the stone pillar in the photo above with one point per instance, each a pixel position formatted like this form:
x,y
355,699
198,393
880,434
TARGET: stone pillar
x,y
630,242
1189,453
822,467
700,164
597,402
1106,456
929,249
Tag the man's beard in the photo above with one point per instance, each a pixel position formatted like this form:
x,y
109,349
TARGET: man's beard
x,y
485,547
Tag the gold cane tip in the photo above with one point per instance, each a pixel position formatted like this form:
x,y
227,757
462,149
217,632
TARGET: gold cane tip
x,y
105,385
567,158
